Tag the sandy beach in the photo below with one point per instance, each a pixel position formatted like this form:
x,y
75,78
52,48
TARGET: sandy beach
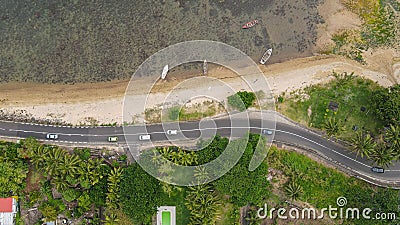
x,y
102,104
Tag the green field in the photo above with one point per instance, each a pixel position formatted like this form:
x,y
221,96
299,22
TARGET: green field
x,y
352,95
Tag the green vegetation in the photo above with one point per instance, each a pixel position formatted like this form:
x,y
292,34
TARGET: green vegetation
x,y
336,107
131,196
203,204
50,179
173,113
13,169
321,186
242,100
140,194
250,187
353,109
386,103
188,112
380,28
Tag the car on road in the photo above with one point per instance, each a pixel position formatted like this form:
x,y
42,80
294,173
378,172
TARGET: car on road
x,y
377,169
52,136
172,132
267,131
112,139
144,137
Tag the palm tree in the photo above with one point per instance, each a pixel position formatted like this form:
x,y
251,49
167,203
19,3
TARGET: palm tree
x,y
392,136
252,217
363,145
156,157
112,195
69,166
294,190
54,160
59,183
382,156
203,205
111,219
39,156
90,172
333,126
201,174
175,157
166,152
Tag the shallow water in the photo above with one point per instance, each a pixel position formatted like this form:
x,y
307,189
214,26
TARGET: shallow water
x,y
75,41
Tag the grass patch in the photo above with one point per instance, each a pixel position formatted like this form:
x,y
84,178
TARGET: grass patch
x,y
187,112
311,106
322,186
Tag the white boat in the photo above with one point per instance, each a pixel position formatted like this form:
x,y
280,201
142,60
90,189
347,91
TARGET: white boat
x,y
164,72
205,68
266,56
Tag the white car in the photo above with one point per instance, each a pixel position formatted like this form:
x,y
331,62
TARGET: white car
x,y
172,132
112,139
144,137
267,132
52,136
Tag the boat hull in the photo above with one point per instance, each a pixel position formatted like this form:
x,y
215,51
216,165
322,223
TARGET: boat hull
x,y
267,54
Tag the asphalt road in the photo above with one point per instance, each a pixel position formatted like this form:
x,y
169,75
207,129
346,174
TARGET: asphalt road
x,y
283,132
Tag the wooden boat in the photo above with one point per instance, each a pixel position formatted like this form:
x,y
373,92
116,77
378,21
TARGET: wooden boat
x,y
250,24
266,56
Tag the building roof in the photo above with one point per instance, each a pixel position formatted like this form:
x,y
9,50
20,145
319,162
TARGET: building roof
x,y
6,205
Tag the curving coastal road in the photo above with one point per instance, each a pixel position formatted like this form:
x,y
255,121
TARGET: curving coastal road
x,y
283,133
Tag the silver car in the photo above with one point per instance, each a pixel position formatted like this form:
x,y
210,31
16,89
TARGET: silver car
x,y
267,132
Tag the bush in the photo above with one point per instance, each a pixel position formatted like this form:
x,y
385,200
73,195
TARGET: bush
x,y
386,103
241,100
140,194
173,113
71,194
83,153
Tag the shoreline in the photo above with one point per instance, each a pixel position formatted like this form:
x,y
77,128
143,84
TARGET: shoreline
x,y
102,104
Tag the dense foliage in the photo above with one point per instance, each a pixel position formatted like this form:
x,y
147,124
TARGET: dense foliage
x,y
320,186
244,186
140,194
203,204
386,102
13,170
242,100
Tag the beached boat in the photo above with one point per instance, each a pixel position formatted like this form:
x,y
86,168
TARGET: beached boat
x,y
205,68
164,72
250,24
266,56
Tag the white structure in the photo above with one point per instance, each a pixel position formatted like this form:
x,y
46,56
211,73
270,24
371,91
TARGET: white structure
x,y
166,215
8,210
205,68
164,72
